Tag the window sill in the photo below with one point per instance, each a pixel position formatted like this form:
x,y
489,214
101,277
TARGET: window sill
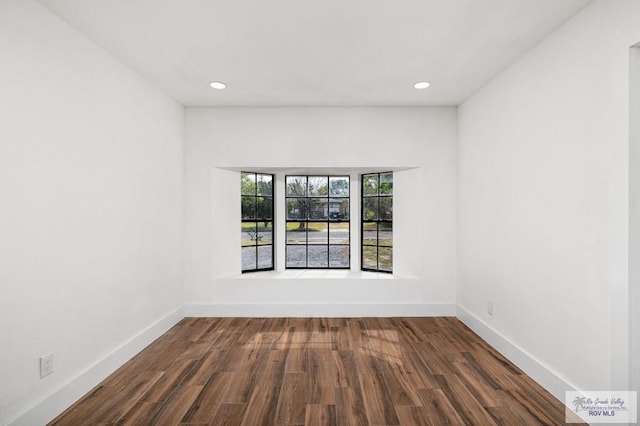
x,y
319,273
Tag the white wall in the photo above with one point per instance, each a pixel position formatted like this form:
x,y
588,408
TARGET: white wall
x,y
221,141
634,214
91,241
543,199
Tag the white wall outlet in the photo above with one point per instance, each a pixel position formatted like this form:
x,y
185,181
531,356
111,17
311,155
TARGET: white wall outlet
x,y
46,365
490,307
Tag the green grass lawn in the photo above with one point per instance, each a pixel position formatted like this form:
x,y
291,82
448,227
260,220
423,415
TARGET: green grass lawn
x,y
317,226
262,226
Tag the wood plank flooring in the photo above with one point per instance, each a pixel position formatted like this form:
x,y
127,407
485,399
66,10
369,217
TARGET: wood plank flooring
x,y
317,371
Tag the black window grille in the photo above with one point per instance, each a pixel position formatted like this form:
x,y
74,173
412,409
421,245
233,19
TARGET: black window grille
x,y
257,229
317,221
377,222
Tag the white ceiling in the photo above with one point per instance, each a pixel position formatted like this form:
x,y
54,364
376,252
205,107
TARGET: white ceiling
x,y
317,52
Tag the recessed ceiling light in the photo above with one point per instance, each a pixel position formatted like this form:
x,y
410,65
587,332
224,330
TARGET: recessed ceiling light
x,y
218,85
421,84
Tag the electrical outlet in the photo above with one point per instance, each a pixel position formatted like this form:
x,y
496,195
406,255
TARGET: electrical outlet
x,y
490,307
46,365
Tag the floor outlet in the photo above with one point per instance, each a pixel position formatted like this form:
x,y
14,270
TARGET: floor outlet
x,y
46,365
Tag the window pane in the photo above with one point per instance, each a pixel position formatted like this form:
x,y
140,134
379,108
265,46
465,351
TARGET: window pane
x,y
339,256
370,208
296,256
314,205
318,256
265,257
385,259
265,185
318,233
339,233
386,183
370,257
318,185
339,186
248,258
318,208
377,225
296,186
370,226
296,233
385,234
264,207
369,235
339,209
386,208
370,184
248,183
296,208
265,233
248,233
256,210
248,207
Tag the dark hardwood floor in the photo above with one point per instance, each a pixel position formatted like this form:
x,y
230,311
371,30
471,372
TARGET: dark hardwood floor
x,y
317,371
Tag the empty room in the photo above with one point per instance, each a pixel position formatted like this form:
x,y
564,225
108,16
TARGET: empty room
x,y
297,212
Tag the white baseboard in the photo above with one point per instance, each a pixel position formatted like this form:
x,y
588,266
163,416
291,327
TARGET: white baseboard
x,y
322,310
538,371
60,399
